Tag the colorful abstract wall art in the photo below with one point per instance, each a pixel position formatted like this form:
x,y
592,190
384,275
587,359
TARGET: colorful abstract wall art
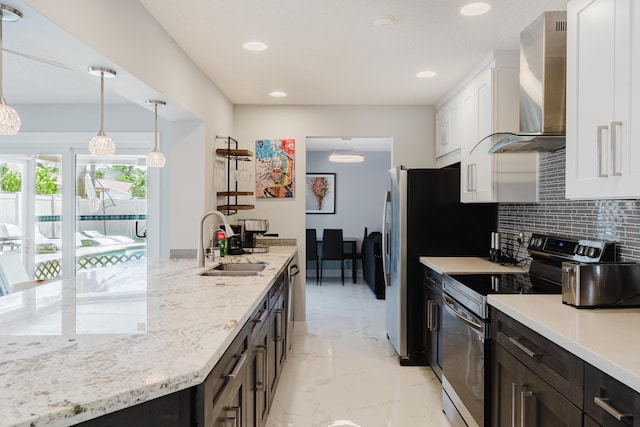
x,y
275,168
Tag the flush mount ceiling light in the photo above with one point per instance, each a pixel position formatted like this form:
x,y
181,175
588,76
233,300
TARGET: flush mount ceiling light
x,y
426,74
155,158
255,46
278,94
383,21
9,118
475,9
101,144
348,156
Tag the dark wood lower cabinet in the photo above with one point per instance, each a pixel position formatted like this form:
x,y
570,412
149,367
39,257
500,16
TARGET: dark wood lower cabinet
x,y
432,320
239,390
173,410
523,399
609,402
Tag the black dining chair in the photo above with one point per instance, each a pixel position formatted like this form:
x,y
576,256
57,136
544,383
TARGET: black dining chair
x,y
332,249
312,250
349,255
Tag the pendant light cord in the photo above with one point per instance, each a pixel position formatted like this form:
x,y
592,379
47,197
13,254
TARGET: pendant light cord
x,y
156,127
1,55
101,102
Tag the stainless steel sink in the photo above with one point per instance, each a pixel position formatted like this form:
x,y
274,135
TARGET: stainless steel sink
x,y
235,269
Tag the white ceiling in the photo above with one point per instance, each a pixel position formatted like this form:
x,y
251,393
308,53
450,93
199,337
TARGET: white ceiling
x,y
320,51
329,51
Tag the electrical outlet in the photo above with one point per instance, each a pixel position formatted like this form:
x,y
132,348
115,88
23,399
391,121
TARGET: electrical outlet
x,y
521,237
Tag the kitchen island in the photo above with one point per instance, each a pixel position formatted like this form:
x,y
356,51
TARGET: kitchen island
x,y
81,347
608,339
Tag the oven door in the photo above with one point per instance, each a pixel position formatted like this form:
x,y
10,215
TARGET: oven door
x,y
463,362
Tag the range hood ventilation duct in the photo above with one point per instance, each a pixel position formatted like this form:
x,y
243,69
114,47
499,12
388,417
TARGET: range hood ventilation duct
x,y
543,64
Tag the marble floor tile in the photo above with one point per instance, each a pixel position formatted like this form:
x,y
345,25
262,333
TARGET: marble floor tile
x,y
344,372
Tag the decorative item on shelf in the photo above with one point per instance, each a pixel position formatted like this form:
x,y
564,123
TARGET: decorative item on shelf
x,y
275,168
155,158
233,156
101,144
9,118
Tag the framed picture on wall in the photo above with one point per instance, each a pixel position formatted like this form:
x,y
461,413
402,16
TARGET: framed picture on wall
x,y
320,191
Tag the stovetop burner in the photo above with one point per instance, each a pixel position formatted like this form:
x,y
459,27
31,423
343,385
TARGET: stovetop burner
x,y
485,284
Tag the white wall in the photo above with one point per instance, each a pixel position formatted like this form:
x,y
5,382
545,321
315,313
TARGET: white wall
x,y
124,32
360,189
411,127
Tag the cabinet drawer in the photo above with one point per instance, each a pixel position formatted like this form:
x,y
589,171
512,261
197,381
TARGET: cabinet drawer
x,y
229,370
608,401
258,318
561,369
276,290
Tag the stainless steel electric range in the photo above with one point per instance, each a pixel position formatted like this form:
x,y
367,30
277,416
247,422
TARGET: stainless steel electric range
x,y
465,318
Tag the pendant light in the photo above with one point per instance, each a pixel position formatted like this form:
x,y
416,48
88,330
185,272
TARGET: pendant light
x,y
155,158
101,144
9,118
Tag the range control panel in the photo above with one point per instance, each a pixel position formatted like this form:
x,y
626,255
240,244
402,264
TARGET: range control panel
x,y
567,248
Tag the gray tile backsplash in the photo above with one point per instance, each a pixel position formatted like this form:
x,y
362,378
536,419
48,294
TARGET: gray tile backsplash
x,y
611,220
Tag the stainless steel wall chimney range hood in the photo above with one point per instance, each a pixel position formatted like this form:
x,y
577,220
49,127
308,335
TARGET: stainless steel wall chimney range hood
x,y
543,58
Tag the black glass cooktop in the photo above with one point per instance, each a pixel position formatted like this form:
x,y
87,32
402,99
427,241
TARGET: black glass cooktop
x,y
486,284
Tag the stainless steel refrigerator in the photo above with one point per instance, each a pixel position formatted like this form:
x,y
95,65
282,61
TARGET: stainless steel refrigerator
x,y
423,216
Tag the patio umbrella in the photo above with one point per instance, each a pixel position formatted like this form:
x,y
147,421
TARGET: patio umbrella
x,y
90,191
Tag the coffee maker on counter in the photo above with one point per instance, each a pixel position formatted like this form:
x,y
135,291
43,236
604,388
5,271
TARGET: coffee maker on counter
x,y
251,228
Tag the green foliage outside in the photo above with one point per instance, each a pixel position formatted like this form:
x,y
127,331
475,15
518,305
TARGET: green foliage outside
x,y
46,179
10,181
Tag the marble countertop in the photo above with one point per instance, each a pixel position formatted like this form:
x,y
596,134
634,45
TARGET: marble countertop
x,y
469,265
608,339
81,347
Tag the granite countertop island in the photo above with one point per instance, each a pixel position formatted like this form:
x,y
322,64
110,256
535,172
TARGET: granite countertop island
x,y
469,265
608,339
85,346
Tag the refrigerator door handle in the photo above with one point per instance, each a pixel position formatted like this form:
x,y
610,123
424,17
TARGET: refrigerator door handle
x,y
385,239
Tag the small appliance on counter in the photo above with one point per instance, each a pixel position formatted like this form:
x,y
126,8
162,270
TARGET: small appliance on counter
x,y
251,228
615,284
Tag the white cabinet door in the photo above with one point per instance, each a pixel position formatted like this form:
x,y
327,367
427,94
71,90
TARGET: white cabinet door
x,y
477,179
447,128
489,103
602,158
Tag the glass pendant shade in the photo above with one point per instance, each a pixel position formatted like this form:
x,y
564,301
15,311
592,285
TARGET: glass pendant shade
x,y
101,145
155,158
9,119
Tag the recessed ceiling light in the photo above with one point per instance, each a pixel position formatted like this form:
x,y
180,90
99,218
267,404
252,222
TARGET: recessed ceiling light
x,y
254,46
383,21
475,9
278,94
426,74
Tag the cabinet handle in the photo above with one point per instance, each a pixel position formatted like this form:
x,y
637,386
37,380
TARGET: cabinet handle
x,y
524,348
603,402
260,319
294,270
260,378
430,315
279,313
615,151
601,174
233,414
524,395
236,370
514,412
469,177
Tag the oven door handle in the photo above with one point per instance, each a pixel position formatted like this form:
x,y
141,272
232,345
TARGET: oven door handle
x,y
454,311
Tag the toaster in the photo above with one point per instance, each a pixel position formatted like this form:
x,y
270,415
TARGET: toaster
x,y
615,284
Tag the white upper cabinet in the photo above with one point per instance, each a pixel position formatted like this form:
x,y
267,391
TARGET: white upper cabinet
x,y
603,146
489,103
448,128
